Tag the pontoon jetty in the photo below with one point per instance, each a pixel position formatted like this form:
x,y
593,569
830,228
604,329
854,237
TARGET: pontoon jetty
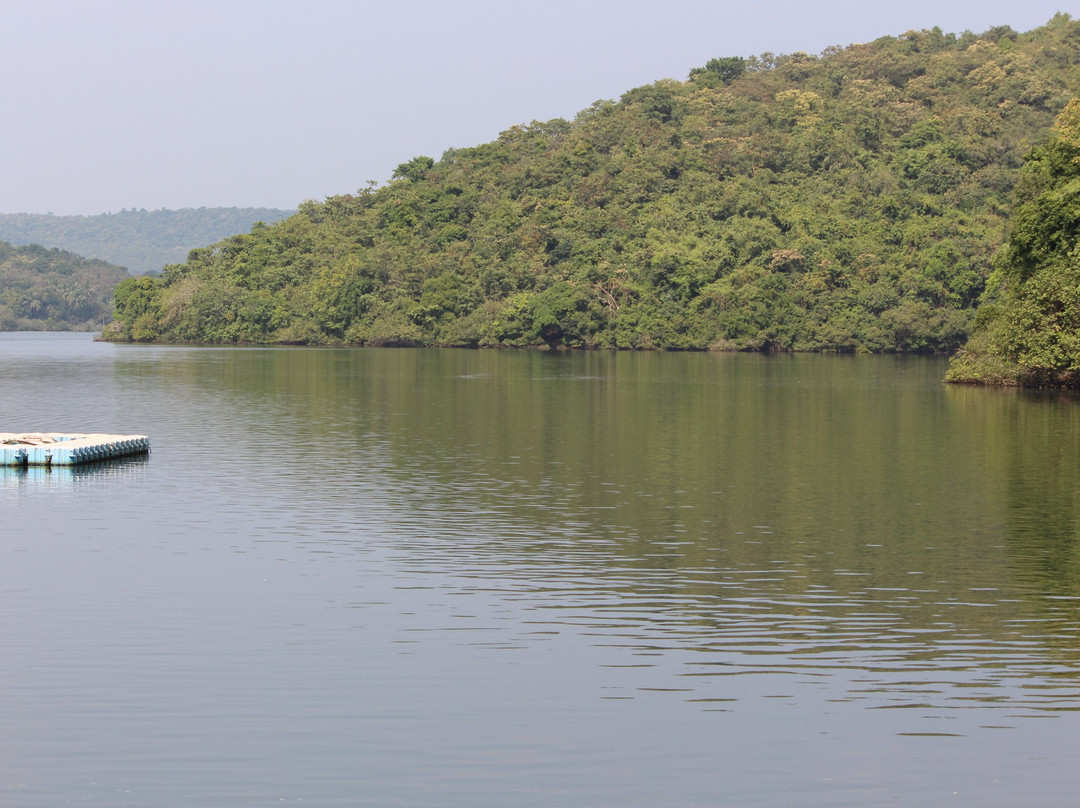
x,y
67,449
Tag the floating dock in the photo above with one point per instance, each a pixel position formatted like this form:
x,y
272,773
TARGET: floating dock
x,y
64,449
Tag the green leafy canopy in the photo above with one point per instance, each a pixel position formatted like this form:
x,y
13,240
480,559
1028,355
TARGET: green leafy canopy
x,y
54,290
1031,334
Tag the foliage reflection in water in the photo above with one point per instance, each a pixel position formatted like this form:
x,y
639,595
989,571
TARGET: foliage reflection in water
x,y
593,577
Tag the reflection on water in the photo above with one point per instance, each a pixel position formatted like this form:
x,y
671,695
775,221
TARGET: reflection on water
x,y
553,579
127,470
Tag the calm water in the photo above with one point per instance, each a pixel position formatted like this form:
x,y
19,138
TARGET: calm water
x,y
453,578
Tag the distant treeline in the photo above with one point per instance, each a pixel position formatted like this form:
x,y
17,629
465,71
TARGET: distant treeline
x,y
52,290
850,201
141,240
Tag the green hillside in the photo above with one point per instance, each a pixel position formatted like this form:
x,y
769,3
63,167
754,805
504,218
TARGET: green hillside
x,y
1029,331
848,201
143,241
53,290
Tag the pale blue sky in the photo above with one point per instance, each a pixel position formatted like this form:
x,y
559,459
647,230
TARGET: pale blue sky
x,y
148,104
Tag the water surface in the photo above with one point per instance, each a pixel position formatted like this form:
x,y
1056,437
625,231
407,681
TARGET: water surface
x,y
460,578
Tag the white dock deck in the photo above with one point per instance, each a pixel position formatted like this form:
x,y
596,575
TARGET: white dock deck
x,y
67,449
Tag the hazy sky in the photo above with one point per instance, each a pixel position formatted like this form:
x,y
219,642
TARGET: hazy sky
x,y
152,104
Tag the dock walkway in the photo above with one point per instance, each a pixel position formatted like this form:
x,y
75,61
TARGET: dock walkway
x,y
66,449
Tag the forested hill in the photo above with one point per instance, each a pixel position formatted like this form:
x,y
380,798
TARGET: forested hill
x,y
1028,331
846,201
53,290
143,241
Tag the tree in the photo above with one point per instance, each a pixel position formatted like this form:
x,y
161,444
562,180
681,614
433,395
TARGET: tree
x,y
414,170
1032,336
728,68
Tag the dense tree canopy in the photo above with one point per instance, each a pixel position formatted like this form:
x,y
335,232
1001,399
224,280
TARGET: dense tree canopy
x,y
849,201
53,290
1030,334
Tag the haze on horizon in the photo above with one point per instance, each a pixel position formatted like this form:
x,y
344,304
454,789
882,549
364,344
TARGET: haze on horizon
x,y
127,104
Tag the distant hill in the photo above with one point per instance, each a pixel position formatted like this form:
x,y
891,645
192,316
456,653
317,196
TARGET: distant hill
x,y
53,290
141,240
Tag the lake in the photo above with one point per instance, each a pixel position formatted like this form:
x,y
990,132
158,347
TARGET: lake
x,y
494,578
